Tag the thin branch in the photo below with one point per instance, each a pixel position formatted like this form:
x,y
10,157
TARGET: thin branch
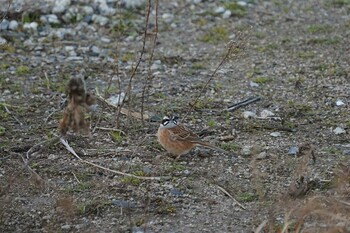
x,y
111,129
71,150
235,106
234,47
9,112
149,76
261,226
128,93
228,194
7,11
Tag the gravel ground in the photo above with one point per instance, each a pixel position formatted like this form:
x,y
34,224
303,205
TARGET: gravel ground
x,y
287,166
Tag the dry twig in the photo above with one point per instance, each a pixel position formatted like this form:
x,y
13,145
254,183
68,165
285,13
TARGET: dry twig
x,y
71,150
228,194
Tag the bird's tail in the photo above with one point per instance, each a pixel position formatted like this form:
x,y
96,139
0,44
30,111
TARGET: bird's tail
x,y
205,144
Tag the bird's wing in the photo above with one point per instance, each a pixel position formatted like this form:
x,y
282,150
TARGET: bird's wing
x,y
180,132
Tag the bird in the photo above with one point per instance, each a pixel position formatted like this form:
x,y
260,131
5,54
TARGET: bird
x,y
177,139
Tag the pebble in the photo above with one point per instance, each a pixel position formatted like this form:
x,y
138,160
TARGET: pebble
x,y
105,10
136,229
176,192
51,19
33,26
339,103
132,3
4,25
339,130
248,114
242,3
123,203
88,10
2,41
294,150
156,65
168,18
246,151
13,25
95,50
266,113
61,6
227,14
52,157
116,99
275,134
346,152
253,84
262,155
220,10
66,227
99,19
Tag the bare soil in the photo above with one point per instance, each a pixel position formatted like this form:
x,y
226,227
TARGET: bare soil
x,y
296,58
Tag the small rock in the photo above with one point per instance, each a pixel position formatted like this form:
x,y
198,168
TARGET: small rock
x,y
117,99
61,6
167,17
246,151
248,114
13,25
242,3
176,192
136,229
95,50
262,155
220,10
52,157
105,40
66,227
156,65
266,113
88,10
346,152
275,134
4,25
2,41
87,19
101,20
105,10
123,203
132,3
253,84
186,172
227,14
294,150
339,130
33,26
339,103
51,19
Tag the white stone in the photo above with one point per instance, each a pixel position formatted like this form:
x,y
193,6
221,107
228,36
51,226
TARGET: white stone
x,y
117,99
266,113
132,3
101,20
262,155
227,14
33,26
167,17
275,134
13,25
88,10
2,41
220,10
252,84
248,114
61,6
339,130
339,103
242,3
